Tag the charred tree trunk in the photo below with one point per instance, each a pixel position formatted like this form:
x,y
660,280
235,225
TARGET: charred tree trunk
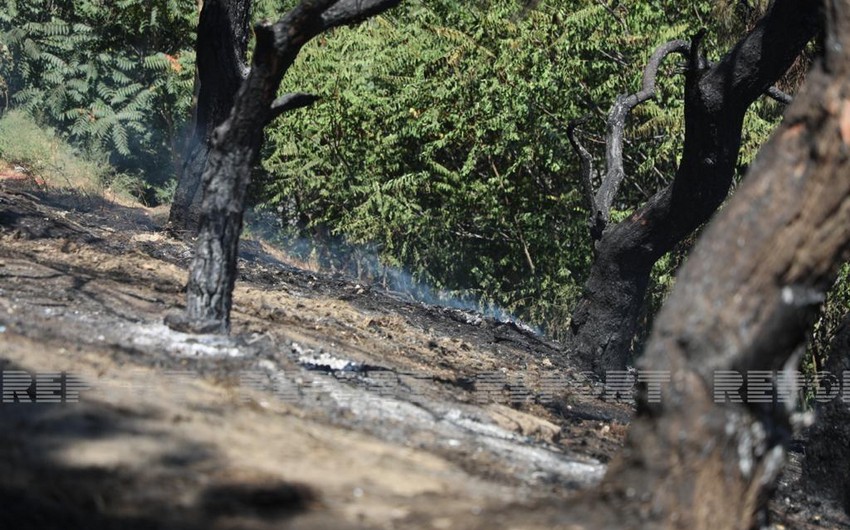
x,y
826,468
222,50
745,300
717,97
235,148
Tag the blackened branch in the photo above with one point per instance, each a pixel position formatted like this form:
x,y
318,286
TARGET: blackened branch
x,y
280,43
696,60
289,102
296,28
615,173
265,35
772,92
346,12
309,18
778,95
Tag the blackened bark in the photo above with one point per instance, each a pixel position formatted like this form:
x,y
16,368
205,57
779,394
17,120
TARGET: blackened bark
x,y
717,97
745,300
235,148
826,468
222,49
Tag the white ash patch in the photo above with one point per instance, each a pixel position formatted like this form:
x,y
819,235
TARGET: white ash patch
x,y
451,427
324,361
160,336
470,317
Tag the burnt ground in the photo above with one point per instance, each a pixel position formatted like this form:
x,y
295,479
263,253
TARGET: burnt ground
x,y
333,404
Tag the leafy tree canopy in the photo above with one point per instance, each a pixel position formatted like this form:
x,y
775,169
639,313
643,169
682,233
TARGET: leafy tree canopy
x,y
115,76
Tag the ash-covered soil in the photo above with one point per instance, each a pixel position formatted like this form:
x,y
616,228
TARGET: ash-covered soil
x,y
333,404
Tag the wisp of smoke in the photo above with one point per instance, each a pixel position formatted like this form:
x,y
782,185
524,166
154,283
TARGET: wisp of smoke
x,y
362,263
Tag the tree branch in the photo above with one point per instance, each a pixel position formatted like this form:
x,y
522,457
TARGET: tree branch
x,y
778,95
696,60
615,172
744,73
772,92
586,169
289,102
346,12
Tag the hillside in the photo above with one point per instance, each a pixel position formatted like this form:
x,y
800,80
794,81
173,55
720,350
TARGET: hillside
x,y
331,405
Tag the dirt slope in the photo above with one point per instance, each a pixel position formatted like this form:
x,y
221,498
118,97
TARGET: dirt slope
x,y
332,404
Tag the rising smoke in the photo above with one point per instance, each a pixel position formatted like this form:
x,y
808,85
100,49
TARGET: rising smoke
x,y
362,263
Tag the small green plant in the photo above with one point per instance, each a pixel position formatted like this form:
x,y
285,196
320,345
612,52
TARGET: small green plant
x,y
127,186
163,194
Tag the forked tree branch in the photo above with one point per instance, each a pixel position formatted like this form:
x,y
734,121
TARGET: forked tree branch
x,y
615,173
601,200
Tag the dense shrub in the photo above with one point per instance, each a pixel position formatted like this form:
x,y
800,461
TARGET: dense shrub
x,y
441,139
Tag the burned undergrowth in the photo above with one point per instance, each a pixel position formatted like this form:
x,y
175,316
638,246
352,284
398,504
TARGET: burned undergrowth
x,y
333,404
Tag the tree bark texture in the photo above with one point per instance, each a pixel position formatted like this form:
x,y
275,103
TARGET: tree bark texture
x,y
745,300
717,96
221,51
235,149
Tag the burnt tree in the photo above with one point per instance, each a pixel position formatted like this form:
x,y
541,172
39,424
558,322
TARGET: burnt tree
x,y
221,50
717,97
745,300
235,149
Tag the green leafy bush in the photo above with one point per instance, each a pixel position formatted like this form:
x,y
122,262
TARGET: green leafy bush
x,y
440,138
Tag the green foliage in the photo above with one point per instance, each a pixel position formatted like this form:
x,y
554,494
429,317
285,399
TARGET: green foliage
x,y
164,193
441,139
128,186
46,156
833,312
114,76
6,67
